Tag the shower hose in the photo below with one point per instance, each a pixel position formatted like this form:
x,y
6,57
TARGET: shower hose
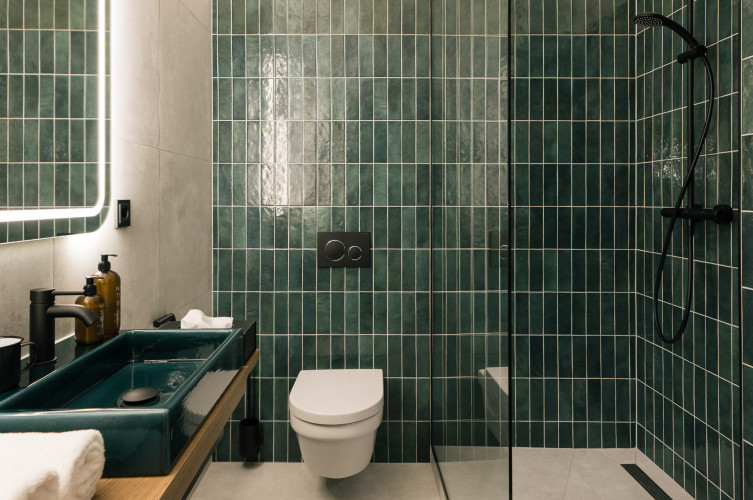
x,y
668,237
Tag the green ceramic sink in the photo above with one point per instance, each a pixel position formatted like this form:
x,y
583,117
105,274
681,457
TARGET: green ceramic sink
x,y
190,369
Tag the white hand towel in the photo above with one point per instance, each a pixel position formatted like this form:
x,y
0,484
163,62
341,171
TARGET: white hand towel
x,y
197,319
76,458
80,462
24,482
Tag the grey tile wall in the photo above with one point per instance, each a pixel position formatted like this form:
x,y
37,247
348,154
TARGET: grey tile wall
x,y
688,393
322,123
470,219
572,223
48,113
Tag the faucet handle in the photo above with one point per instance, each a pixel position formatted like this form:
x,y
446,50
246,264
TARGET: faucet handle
x,y
42,295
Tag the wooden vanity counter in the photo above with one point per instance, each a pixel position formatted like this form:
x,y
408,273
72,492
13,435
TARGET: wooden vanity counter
x,y
188,465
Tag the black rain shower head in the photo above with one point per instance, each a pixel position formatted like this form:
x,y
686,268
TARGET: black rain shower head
x,y
651,20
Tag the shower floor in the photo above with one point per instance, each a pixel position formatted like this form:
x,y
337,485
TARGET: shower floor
x,y
549,473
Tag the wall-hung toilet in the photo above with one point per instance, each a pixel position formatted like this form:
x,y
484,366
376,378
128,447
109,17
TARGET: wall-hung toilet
x,y
335,414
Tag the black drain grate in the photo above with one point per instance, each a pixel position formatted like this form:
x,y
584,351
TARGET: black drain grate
x,y
648,484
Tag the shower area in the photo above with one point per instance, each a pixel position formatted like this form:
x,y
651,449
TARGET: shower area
x,y
560,130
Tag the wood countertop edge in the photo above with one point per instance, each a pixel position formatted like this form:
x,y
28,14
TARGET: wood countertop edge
x,y
175,484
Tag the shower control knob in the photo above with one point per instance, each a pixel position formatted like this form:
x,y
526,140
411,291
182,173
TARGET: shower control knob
x,y
355,252
334,249
723,214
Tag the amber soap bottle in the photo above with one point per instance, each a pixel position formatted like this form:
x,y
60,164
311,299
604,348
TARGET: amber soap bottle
x,y
109,288
91,334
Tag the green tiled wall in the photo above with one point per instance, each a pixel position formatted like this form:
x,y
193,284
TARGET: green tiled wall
x,y
48,113
572,220
746,205
322,123
469,203
688,393
335,114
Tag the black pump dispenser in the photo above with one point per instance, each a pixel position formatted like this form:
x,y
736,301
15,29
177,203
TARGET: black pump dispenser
x,y
105,265
90,288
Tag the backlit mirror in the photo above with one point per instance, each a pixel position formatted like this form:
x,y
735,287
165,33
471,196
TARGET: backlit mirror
x,y
54,165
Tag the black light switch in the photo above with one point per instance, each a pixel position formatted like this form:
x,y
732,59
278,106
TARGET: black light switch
x,y
343,249
123,215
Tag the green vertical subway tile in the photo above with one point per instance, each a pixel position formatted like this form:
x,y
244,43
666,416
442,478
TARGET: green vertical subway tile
x,y
31,52
76,100
234,12
350,16
590,12
76,185
77,54
409,16
30,185
31,141
15,52
15,14
380,16
266,17
747,20
76,14
46,185
747,97
15,141
4,24
3,51
366,16
91,40
15,94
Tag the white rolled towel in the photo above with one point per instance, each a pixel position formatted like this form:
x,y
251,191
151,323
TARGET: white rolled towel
x,y
22,482
197,319
76,458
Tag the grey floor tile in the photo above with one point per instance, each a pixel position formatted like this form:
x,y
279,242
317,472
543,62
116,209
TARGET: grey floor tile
x,y
293,481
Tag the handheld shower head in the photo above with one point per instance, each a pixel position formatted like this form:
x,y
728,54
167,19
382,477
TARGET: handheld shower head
x,y
651,20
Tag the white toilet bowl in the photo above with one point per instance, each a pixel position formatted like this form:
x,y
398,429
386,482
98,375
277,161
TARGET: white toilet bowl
x,y
335,414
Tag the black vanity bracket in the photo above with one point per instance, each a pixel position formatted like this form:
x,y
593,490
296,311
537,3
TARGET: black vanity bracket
x,y
721,214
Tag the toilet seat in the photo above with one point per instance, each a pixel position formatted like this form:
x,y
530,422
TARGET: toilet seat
x,y
336,397
336,432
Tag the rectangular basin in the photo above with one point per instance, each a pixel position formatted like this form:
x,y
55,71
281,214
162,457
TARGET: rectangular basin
x,y
190,368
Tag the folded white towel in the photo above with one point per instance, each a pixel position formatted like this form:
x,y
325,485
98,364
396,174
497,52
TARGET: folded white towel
x,y
197,319
76,458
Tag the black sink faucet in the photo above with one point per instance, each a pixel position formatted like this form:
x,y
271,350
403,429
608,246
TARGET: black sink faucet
x,y
42,314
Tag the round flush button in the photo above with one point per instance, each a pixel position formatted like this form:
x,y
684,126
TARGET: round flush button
x,y
334,250
355,253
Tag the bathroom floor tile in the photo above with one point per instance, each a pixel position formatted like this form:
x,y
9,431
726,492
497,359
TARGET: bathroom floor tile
x,y
282,481
479,473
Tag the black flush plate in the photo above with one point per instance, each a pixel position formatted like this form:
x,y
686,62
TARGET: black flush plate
x,y
348,249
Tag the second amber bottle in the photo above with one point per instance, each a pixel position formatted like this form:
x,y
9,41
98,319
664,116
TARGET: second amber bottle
x,y
91,334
